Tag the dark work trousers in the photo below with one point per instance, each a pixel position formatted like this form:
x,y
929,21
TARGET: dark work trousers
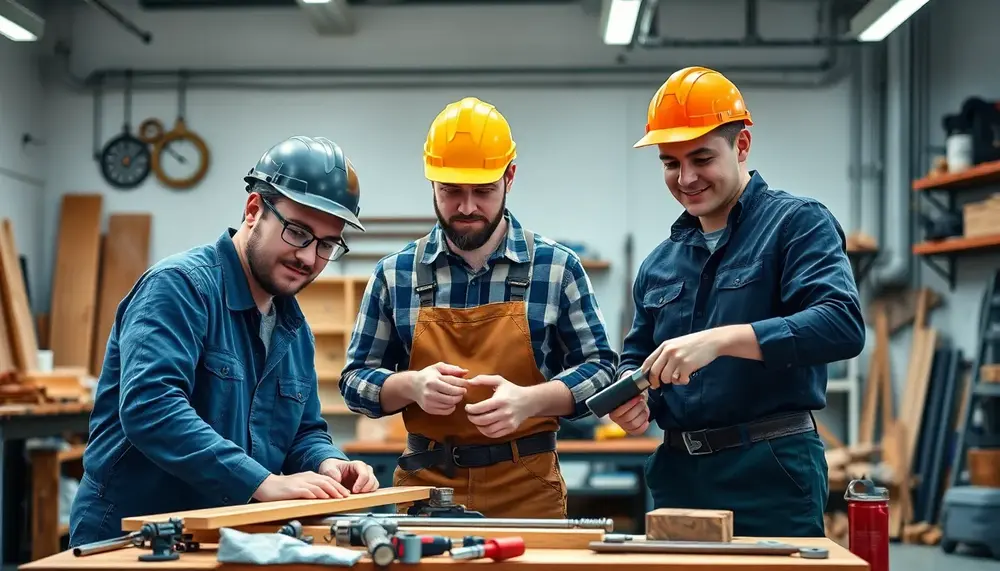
x,y
775,488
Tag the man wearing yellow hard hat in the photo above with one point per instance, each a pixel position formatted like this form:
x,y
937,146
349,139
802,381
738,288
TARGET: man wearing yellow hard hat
x,y
481,334
737,314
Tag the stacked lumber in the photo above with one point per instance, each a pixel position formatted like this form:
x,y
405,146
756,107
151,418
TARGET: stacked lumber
x,y
88,282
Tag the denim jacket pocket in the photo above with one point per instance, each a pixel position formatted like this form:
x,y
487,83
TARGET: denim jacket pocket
x,y
662,305
743,293
219,373
293,393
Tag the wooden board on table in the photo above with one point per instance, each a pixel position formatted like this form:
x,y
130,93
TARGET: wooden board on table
x,y
534,538
247,514
124,256
840,559
20,323
74,281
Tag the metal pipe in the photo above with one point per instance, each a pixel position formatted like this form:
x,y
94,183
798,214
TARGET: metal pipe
x,y
402,520
135,30
132,539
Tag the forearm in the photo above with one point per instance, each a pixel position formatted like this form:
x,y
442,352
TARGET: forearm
x,y
550,399
398,391
739,341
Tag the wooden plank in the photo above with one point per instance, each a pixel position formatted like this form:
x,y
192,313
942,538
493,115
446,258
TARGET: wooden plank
x,y
840,559
124,257
974,177
74,280
956,244
15,299
229,516
533,538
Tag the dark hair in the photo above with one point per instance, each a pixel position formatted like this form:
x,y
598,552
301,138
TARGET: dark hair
x,y
266,192
729,131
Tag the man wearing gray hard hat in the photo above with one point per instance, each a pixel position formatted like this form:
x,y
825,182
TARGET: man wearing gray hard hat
x,y
207,396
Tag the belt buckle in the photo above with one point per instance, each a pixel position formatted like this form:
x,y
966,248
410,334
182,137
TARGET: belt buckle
x,y
696,443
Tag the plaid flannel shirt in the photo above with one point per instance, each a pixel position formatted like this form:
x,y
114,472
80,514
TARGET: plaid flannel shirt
x,y
568,333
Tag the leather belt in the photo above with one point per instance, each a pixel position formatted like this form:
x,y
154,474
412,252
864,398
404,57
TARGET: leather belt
x,y
700,442
448,457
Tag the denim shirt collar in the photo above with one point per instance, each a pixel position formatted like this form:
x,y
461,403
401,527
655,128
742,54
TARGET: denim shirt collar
x,y
236,289
514,248
686,226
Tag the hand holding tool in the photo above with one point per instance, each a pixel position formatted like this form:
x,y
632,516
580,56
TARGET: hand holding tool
x,y
618,393
499,549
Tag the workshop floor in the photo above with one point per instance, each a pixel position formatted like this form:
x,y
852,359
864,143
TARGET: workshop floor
x,y
925,558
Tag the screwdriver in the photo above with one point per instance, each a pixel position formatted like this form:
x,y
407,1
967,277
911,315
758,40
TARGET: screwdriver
x,y
496,549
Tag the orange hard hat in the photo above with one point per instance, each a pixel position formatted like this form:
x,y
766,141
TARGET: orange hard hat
x,y
690,103
469,142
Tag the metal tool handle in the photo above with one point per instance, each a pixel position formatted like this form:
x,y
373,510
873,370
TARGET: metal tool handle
x,y
619,393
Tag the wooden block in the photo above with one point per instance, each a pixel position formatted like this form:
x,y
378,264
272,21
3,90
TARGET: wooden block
x,y
246,514
689,525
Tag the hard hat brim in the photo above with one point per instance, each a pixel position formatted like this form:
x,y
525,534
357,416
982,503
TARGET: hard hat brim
x,y
454,175
324,205
673,135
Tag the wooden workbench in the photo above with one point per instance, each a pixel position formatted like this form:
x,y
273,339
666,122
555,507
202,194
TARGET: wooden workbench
x,y
547,559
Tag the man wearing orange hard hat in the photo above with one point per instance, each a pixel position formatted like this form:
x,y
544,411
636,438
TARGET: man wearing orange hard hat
x,y
481,335
737,315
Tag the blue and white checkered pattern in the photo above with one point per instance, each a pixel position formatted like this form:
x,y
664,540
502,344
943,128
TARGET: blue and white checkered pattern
x,y
568,332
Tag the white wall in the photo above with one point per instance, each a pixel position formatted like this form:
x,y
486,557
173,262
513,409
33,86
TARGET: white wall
x,y
22,167
578,178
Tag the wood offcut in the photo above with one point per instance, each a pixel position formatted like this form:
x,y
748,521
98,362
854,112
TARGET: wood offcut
x,y
689,524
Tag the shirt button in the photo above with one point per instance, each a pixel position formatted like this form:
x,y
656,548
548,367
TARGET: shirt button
x,y
298,395
661,299
699,314
225,370
736,281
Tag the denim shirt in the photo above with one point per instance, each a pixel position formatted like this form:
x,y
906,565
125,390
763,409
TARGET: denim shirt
x,y
191,410
781,266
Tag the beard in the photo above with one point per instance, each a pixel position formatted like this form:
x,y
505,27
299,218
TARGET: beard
x,y
258,265
470,239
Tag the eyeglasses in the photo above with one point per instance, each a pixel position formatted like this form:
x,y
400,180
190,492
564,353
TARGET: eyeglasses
x,y
331,249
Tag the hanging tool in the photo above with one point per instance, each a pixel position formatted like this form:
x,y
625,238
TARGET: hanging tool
x,y
618,393
499,549
371,533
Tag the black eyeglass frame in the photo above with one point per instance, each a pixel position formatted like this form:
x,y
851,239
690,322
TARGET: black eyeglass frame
x,y
289,226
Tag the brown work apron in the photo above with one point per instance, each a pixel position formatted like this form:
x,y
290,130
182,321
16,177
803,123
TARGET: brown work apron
x,y
492,339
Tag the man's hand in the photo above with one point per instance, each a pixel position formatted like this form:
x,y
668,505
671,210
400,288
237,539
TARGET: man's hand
x,y
675,360
632,416
439,388
354,475
502,413
301,486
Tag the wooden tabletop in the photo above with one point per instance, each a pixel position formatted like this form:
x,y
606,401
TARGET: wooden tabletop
x,y
55,408
610,446
550,559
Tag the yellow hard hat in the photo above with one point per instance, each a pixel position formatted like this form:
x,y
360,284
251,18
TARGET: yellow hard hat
x,y
469,142
690,103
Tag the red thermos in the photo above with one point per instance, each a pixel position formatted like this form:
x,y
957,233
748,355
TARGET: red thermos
x,y
868,523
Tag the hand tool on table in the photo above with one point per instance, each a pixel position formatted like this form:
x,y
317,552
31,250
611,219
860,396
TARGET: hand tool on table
x,y
294,529
403,521
373,534
441,503
499,549
618,393
166,540
765,547
410,548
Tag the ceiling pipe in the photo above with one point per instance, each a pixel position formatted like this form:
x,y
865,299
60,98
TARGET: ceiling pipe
x,y
751,38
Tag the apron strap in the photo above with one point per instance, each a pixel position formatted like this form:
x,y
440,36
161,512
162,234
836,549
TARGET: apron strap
x,y
425,276
519,276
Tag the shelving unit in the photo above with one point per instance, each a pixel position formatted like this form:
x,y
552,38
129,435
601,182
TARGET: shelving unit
x,y
849,385
977,177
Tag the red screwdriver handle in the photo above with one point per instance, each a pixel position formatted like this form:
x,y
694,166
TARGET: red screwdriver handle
x,y
504,548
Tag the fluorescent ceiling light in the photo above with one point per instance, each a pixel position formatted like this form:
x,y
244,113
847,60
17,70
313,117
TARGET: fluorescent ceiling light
x,y
19,24
879,18
315,1
618,18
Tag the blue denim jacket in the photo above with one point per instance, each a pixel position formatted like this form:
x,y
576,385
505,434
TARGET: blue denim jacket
x,y
781,266
188,413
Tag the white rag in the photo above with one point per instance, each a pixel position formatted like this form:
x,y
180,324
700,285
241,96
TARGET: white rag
x,y
278,549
